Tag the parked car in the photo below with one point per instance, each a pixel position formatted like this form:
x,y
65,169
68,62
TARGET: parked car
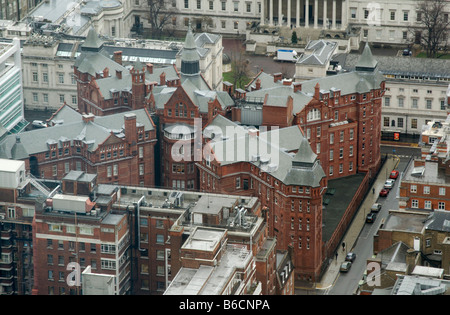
x,y
350,257
389,184
384,192
39,124
371,217
394,174
376,207
345,266
406,52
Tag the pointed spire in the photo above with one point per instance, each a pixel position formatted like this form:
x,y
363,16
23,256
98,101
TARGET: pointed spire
x,y
92,42
366,62
190,59
305,155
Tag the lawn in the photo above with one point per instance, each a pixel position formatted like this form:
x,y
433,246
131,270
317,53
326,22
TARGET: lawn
x,y
424,55
228,76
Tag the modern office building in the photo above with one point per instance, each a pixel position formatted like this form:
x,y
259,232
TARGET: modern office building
x,y
11,91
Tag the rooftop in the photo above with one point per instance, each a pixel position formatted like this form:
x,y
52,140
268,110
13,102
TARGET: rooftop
x,y
405,221
428,173
204,239
209,280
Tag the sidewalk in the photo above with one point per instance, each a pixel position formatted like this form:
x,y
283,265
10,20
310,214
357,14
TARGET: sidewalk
x,y
357,224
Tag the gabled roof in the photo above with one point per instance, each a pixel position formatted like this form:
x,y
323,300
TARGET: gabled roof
x,y
69,129
265,152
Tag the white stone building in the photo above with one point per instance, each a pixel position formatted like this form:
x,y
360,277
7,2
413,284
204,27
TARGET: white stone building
x,y
386,21
416,91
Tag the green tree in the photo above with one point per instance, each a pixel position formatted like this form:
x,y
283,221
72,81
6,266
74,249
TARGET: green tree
x,y
294,37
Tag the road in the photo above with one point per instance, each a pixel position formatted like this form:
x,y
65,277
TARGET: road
x,y
347,283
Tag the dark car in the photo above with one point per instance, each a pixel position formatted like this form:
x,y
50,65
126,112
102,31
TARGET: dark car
x,y
406,52
350,257
384,192
345,266
371,217
394,174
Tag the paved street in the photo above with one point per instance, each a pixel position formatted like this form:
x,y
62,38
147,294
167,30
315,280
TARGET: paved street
x,y
359,236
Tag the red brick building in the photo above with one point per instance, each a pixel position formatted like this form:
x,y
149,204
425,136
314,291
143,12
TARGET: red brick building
x,y
425,184
71,232
116,147
174,97
335,133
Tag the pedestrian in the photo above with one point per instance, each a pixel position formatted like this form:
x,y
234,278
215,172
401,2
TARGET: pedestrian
x,y
336,255
373,190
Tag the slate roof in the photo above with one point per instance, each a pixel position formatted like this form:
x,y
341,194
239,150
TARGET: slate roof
x,y
367,77
200,95
92,133
366,60
439,220
273,158
322,52
92,41
408,66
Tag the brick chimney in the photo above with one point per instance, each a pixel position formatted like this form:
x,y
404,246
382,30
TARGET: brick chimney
x,y
88,118
162,79
297,87
317,91
258,84
277,77
287,82
106,72
119,74
150,68
228,87
118,57
138,88
130,128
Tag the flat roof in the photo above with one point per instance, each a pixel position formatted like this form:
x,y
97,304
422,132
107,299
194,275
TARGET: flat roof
x,y
409,222
112,219
336,200
204,239
213,204
11,166
430,175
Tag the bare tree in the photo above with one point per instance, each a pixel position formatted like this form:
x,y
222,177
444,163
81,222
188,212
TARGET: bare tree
x,y
239,68
160,16
433,25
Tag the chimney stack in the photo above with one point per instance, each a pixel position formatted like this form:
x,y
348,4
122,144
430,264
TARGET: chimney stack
x,y
277,77
317,91
297,87
88,118
119,74
106,72
118,57
162,79
130,128
150,68
258,84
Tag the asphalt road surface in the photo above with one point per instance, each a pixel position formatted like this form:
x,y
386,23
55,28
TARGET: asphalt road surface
x,y
347,283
